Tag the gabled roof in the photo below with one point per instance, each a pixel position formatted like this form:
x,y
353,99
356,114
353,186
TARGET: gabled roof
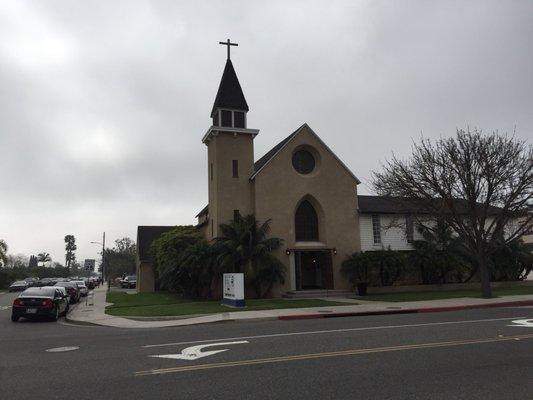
x,y
263,161
203,211
229,93
145,236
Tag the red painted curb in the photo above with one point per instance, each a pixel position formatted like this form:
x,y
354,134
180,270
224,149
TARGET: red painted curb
x,y
407,310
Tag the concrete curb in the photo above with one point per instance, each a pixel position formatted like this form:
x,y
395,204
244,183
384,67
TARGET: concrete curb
x,y
408,310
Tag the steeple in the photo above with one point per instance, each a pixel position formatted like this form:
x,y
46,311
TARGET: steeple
x,y
229,95
229,112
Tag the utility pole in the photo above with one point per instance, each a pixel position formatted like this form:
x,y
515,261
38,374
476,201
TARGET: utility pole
x,y
103,258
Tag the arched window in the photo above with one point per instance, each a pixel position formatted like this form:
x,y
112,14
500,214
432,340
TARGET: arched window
x,y
306,223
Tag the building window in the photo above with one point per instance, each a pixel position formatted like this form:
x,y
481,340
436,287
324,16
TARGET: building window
x,y
306,223
235,168
211,171
238,119
215,119
236,215
226,118
409,229
303,162
376,228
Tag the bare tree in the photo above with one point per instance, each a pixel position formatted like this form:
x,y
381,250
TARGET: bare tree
x,y
480,184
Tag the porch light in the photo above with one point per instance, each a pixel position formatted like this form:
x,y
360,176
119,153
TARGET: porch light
x,y
335,250
288,252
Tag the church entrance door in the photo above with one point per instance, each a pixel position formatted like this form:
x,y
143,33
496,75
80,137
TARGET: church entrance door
x,y
313,270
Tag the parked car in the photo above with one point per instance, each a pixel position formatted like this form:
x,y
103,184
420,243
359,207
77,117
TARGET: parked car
x,y
32,281
129,282
39,302
72,290
63,292
83,288
18,286
46,282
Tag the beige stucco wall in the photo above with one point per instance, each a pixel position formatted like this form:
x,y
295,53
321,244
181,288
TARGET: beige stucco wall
x,y
145,278
225,192
332,190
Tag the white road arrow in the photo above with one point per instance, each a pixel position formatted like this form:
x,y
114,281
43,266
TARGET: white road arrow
x,y
528,323
195,352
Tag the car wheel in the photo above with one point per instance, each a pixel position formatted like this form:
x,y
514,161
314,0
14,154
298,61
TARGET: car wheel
x,y
15,318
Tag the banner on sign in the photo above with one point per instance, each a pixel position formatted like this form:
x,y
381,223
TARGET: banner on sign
x,y
233,290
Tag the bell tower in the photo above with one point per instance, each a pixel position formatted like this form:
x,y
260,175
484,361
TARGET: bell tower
x,y
230,152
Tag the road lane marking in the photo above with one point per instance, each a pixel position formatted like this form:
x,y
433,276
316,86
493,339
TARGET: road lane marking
x,y
62,349
528,323
331,331
2,308
310,356
195,352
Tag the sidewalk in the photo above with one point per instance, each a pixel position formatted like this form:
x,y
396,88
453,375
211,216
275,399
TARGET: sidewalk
x,y
95,314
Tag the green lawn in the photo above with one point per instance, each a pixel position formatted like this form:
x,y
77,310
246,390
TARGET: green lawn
x,y
417,296
168,304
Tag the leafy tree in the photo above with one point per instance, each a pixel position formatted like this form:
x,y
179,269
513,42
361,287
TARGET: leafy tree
x,y
512,261
245,247
481,185
44,258
383,267
3,252
120,259
70,248
33,262
441,257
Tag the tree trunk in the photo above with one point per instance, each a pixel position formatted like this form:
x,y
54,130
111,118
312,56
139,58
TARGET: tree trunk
x,y
484,275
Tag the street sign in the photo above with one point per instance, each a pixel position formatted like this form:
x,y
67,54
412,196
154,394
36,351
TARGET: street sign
x,y
233,290
195,352
89,264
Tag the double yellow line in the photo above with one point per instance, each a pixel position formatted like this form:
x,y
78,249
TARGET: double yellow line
x,y
342,353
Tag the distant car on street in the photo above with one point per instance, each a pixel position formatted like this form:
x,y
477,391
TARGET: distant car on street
x,y
39,302
32,281
18,286
72,289
83,288
129,282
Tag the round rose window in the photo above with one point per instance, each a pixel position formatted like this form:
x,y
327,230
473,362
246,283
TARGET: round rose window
x,y
303,162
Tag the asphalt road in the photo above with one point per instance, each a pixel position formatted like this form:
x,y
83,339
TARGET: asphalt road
x,y
475,354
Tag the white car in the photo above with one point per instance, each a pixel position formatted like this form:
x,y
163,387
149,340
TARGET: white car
x,y
83,289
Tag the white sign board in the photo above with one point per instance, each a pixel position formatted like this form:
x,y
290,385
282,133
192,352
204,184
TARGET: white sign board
x,y
89,264
233,290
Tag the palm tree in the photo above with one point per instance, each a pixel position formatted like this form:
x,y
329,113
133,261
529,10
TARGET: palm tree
x,y
245,247
3,252
44,257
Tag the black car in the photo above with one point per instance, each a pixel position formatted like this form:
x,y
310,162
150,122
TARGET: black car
x,y
39,302
72,289
18,286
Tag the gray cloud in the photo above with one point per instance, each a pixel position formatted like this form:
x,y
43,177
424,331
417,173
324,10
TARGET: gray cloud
x,y
103,104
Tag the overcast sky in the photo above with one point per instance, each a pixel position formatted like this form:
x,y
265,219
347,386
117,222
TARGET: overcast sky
x,y
103,104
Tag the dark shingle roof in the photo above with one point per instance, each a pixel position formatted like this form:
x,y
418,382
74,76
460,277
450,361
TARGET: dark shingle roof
x,y
229,93
385,205
403,205
272,152
203,211
145,236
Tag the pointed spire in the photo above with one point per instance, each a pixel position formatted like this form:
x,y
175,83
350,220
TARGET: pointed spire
x,y
229,93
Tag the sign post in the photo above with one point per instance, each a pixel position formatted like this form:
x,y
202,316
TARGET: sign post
x,y
233,290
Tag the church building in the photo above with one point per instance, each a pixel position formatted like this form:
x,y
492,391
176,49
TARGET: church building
x,y
306,191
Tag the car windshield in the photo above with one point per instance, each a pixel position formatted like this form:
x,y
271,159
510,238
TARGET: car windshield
x,y
131,278
79,283
48,292
19,283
